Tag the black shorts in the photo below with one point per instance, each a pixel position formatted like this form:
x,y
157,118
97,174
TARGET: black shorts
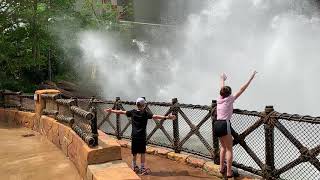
x,y
222,128
138,145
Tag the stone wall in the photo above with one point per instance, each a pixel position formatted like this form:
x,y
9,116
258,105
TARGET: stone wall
x,y
92,163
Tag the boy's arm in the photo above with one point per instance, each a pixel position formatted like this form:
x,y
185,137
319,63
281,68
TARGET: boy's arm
x,y
160,117
115,111
223,78
245,86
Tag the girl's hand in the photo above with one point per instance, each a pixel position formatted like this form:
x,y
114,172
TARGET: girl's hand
x,y
253,74
223,76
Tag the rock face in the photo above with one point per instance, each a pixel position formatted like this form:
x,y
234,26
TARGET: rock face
x,y
68,89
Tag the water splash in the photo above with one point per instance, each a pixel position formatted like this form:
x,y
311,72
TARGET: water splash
x,y
277,38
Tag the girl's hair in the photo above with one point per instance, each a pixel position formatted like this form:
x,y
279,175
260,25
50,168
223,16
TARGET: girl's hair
x,y
225,91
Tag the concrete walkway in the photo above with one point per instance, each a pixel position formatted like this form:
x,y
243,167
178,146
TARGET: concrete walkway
x,y
24,155
165,169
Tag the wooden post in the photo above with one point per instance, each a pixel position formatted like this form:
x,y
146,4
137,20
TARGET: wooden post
x,y
216,148
94,126
20,100
269,143
118,122
2,98
175,123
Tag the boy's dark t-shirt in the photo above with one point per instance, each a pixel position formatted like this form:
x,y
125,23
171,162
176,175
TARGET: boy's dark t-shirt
x,y
139,122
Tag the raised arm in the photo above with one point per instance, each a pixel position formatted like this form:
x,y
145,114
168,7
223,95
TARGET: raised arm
x,y
160,117
115,111
223,78
245,86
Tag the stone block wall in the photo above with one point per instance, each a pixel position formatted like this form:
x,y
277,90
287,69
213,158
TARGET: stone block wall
x,y
83,157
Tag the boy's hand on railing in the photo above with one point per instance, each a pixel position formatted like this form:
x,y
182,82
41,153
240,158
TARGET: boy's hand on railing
x,y
173,117
108,110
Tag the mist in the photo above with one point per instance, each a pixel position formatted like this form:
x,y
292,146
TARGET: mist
x,y
278,38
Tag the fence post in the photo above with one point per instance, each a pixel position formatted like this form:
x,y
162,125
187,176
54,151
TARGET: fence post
x,y
176,134
20,100
216,148
118,122
76,104
269,143
94,126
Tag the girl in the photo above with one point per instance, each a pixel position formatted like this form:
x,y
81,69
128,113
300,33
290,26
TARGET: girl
x,y
222,126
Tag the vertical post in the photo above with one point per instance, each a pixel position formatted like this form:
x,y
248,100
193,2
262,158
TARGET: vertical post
x,y
20,100
1,98
269,143
49,64
94,126
176,135
76,104
118,133
216,148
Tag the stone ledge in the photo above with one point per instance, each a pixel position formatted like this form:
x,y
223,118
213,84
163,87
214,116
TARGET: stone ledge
x,y
195,162
123,143
212,169
182,158
114,170
150,150
162,152
47,91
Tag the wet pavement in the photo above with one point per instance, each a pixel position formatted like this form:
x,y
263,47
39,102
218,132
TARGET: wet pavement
x,y
25,154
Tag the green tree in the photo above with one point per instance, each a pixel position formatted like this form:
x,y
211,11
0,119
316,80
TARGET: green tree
x,y
27,43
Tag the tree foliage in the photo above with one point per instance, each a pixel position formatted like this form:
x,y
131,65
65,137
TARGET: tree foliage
x,y
28,43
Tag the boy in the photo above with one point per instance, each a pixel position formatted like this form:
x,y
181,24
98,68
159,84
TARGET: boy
x,y
139,119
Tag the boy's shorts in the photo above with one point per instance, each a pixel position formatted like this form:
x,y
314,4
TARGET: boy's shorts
x,y
138,145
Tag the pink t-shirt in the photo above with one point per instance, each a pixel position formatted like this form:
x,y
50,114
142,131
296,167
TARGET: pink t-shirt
x,y
225,107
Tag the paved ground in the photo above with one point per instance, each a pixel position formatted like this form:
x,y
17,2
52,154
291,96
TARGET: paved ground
x,y
33,157
165,169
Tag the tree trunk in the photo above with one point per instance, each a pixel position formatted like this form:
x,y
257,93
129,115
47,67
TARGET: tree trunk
x,y
34,32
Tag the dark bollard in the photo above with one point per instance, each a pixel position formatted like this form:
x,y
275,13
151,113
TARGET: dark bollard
x,y
83,113
175,123
84,136
66,102
65,119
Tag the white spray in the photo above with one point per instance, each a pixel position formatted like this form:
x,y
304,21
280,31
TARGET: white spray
x,y
278,38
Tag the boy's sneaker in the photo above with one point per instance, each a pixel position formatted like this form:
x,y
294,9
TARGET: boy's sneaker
x,y
145,171
136,169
